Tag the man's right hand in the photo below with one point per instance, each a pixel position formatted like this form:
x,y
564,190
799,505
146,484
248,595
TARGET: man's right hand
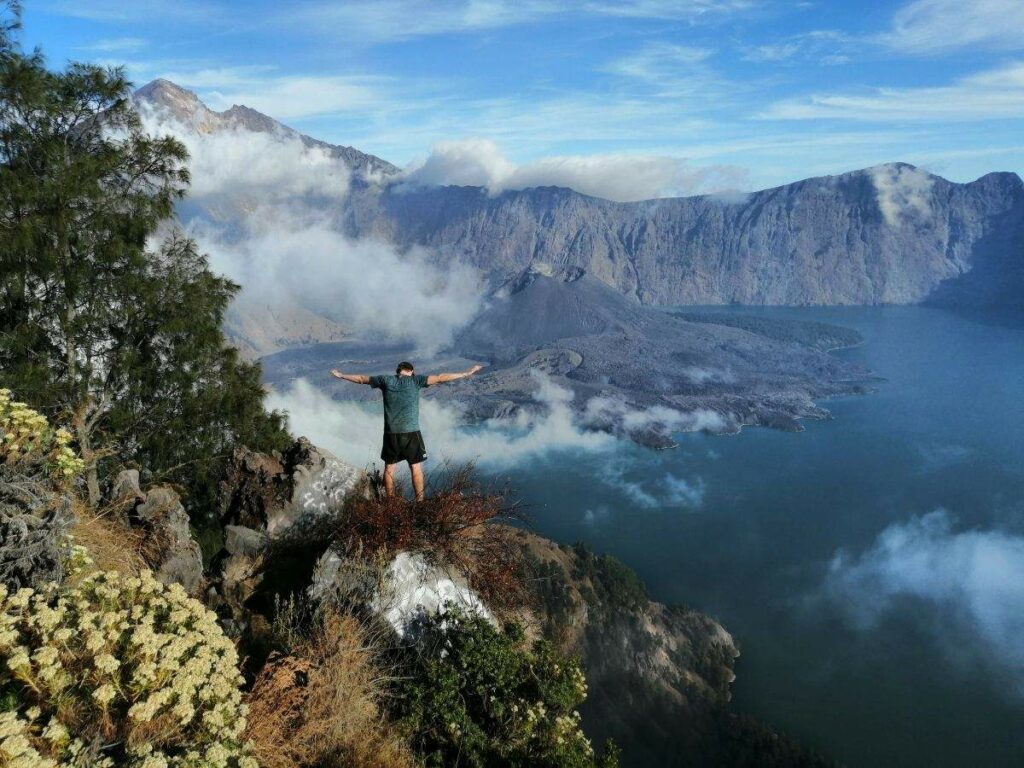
x,y
336,373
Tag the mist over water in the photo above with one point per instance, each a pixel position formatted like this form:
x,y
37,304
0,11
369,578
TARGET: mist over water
x,y
871,567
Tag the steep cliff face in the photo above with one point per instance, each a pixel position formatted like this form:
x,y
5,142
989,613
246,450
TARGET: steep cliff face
x,y
658,675
886,235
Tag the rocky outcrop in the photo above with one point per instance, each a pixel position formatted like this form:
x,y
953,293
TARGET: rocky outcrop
x,y
272,498
167,543
272,493
658,675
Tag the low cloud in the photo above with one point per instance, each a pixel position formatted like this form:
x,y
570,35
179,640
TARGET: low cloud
x,y
280,256
902,192
974,579
699,375
669,490
246,168
619,177
603,410
266,208
352,430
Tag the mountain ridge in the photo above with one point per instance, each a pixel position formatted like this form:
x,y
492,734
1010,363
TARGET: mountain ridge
x,y
186,107
890,234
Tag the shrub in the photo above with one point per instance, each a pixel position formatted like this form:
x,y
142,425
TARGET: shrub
x,y
117,670
454,526
28,439
36,465
475,696
319,704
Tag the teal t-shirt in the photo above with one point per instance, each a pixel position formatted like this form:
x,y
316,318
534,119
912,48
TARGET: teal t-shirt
x,y
401,401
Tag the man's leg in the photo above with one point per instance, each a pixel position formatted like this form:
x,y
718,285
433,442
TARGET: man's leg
x,y
416,471
389,479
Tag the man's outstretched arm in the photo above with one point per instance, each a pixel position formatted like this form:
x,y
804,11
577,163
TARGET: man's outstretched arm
x,y
355,378
441,378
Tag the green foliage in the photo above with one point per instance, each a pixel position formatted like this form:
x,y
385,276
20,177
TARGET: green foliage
x,y
120,336
28,440
471,695
616,587
117,670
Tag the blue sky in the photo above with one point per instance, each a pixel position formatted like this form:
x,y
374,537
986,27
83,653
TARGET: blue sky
x,y
760,91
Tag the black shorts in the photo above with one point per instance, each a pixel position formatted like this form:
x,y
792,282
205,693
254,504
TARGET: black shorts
x,y
403,446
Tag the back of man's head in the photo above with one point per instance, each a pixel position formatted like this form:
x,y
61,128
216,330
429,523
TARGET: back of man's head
x,y
404,369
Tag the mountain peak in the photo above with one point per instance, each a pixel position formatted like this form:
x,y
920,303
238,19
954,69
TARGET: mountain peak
x,y
186,107
165,93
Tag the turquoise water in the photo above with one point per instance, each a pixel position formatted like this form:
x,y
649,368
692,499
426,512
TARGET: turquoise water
x,y
744,528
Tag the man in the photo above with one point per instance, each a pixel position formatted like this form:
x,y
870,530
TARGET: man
x,y
402,438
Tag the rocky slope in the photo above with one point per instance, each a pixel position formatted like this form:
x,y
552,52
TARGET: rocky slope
x,y
848,239
185,107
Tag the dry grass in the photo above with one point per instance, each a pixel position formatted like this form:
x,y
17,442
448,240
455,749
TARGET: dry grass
x,y
454,527
111,544
321,705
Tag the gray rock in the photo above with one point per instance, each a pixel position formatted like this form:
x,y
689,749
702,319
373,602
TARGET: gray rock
x,y
126,486
239,540
320,484
169,548
270,494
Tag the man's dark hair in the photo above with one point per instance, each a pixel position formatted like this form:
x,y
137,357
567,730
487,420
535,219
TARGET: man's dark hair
x,y
404,366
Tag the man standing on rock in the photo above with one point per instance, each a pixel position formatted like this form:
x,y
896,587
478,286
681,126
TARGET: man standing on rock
x,y
402,438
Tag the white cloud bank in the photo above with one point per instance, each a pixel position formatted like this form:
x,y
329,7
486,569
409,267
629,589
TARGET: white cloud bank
x,y
351,430
621,177
974,577
365,285
604,409
264,207
902,191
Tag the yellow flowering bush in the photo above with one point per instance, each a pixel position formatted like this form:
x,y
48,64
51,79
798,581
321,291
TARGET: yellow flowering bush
x,y
117,671
27,437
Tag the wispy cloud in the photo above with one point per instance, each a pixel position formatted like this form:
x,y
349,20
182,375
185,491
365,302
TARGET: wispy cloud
x,y
931,27
974,578
295,97
822,46
378,21
666,491
117,45
676,72
680,10
134,11
990,94
383,21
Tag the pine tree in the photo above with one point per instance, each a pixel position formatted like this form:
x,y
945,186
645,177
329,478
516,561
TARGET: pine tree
x,y
109,316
